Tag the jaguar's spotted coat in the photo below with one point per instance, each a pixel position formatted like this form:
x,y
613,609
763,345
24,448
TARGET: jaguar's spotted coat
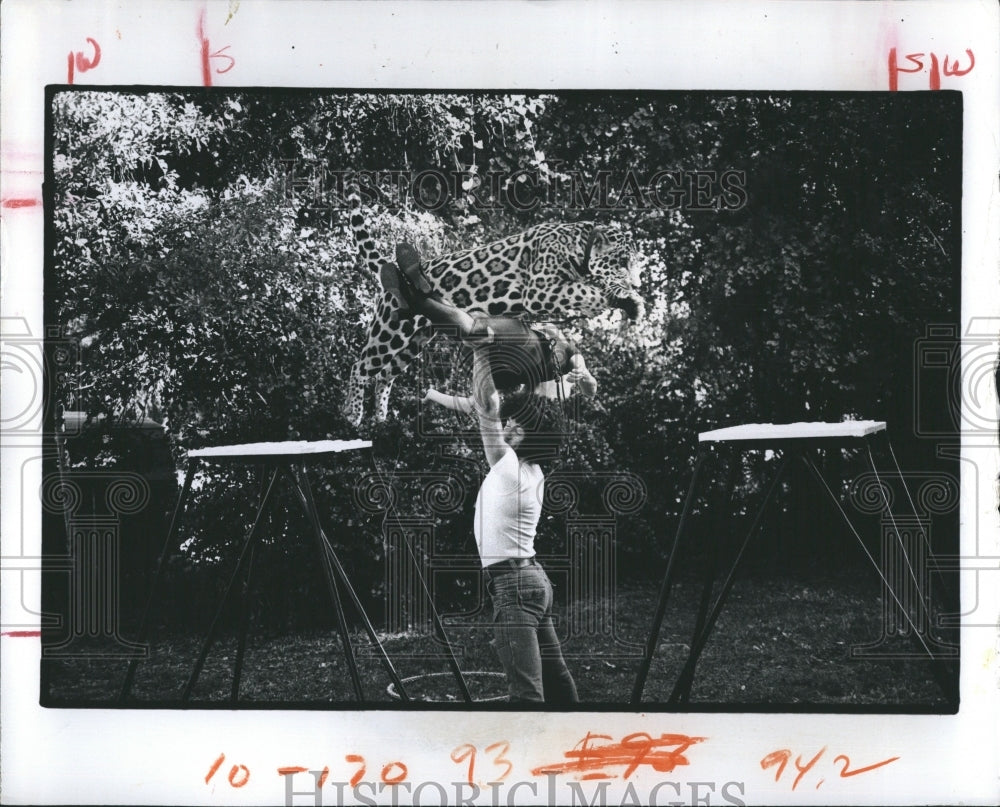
x,y
541,273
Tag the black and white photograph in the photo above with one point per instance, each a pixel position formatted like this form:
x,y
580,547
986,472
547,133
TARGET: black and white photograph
x,y
579,399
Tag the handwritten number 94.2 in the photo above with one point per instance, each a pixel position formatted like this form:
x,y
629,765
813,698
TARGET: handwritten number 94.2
x,y
779,759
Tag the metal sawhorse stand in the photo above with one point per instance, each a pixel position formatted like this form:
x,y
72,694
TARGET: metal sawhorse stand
x,y
794,441
286,459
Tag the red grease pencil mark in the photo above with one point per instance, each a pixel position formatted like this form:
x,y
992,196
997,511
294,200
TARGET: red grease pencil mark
x,y
22,634
779,759
220,55
663,754
955,70
360,773
15,203
207,55
214,768
844,772
81,62
935,79
396,778
206,71
895,69
916,60
238,776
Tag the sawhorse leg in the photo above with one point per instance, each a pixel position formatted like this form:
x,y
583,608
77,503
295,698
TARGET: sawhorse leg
x,y
682,688
241,645
705,624
157,577
300,484
938,665
330,570
439,631
246,559
719,526
245,554
307,500
666,585
944,650
439,627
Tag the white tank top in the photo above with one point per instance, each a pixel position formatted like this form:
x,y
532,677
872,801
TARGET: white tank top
x,y
507,510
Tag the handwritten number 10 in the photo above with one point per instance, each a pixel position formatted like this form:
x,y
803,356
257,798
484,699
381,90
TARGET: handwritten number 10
x,y
239,775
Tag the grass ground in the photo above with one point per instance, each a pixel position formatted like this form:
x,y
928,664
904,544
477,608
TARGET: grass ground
x,y
778,644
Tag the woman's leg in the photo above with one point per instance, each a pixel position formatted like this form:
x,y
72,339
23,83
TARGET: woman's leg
x,y
441,314
557,681
518,601
517,647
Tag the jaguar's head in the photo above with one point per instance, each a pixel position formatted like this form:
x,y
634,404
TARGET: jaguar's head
x,y
608,264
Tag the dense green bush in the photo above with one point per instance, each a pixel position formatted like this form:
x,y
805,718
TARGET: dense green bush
x,y
211,292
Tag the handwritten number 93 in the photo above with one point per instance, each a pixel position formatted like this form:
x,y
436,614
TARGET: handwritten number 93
x,y
468,752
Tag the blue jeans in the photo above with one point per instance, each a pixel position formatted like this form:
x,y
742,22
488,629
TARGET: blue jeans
x,y
525,638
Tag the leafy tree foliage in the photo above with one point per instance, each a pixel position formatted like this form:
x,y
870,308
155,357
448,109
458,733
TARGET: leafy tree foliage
x,y
201,254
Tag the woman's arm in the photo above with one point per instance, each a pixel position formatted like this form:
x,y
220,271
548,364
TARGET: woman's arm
x,y
456,403
567,354
486,400
580,375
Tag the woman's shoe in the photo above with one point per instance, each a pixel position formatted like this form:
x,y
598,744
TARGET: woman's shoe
x,y
391,279
408,261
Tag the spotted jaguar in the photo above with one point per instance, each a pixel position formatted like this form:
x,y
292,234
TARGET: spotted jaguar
x,y
548,272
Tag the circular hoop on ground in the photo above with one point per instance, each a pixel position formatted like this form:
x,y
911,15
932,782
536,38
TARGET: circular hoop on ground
x,y
426,687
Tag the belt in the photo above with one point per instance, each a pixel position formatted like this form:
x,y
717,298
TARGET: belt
x,y
495,570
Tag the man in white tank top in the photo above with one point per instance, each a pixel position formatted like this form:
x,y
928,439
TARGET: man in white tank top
x,y
517,437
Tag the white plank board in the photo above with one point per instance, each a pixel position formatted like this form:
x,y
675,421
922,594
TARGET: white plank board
x,y
287,448
792,431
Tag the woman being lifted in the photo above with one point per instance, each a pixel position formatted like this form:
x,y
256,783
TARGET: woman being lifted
x,y
536,358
